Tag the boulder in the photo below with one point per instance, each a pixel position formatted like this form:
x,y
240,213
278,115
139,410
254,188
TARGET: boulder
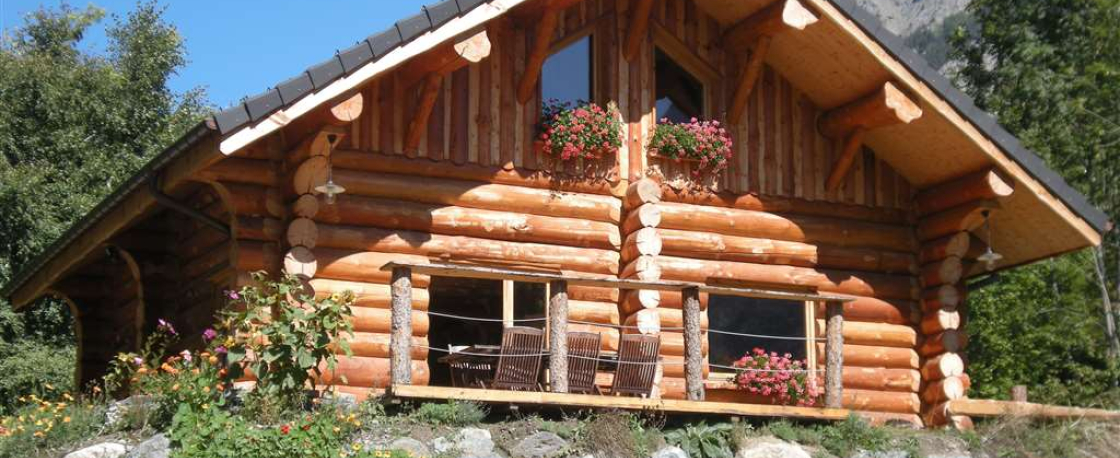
x,y
102,450
157,446
415,448
474,443
770,447
541,445
670,452
882,454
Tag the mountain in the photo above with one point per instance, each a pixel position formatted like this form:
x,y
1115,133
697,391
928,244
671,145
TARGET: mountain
x,y
924,24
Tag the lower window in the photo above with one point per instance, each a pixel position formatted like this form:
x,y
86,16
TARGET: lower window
x,y
758,317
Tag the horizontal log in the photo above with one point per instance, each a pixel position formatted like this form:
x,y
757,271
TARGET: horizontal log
x,y
720,247
367,294
376,345
672,343
944,297
776,18
939,415
946,389
647,215
942,366
871,310
881,379
499,225
670,319
868,284
645,268
486,196
950,341
242,170
593,312
370,319
868,356
786,206
263,229
635,300
422,167
945,271
589,260
986,184
645,321
369,372
890,418
881,401
447,57
993,408
593,293
206,260
610,335
254,200
673,366
363,266
643,191
955,244
807,229
874,334
644,242
886,106
963,218
941,320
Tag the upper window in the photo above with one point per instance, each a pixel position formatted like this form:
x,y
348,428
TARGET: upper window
x,y
566,75
759,317
680,96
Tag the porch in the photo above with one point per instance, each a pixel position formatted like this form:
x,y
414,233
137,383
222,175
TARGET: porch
x,y
555,387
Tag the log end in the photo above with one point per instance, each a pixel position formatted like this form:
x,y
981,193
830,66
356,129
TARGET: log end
x,y
905,110
796,15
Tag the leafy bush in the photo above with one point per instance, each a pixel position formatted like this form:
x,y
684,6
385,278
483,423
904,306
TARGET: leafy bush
x,y
585,131
454,413
778,376
621,435
31,367
702,440
853,434
208,432
703,141
40,427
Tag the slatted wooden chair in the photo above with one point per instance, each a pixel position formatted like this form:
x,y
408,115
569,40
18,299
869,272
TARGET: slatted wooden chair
x,y
519,363
583,360
637,365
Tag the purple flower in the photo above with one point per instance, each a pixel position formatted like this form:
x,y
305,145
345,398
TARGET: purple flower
x,y
221,350
186,354
209,334
164,325
233,295
138,361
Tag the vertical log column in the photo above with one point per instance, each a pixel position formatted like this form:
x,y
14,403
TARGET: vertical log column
x,y
693,345
641,246
834,355
558,336
400,341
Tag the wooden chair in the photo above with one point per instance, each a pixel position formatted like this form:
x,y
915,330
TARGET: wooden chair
x,y
519,363
583,360
637,364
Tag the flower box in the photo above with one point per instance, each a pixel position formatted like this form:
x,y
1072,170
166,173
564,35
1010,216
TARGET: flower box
x,y
704,143
581,131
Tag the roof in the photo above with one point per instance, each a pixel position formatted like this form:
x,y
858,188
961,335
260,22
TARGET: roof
x,y
413,32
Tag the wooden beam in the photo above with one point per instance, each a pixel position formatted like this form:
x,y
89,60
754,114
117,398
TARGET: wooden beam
x,y
639,25
834,355
428,95
400,343
748,79
693,345
558,336
843,164
962,218
992,408
447,58
886,106
780,16
542,40
614,402
986,184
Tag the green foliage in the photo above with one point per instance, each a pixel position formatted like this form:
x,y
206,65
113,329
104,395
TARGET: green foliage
x,y
621,435
30,367
1021,437
702,440
453,413
40,428
844,438
292,333
210,432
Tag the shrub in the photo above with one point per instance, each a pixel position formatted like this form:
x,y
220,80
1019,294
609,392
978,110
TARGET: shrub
x,y
208,431
30,367
620,435
853,434
702,141
702,440
778,376
453,413
39,426
583,131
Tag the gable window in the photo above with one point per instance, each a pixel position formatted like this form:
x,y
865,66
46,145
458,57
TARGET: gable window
x,y
566,75
679,95
769,317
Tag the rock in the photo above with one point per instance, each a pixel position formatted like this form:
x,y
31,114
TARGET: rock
x,y
670,452
542,445
474,443
344,401
883,454
415,448
102,450
119,409
157,446
769,447
441,444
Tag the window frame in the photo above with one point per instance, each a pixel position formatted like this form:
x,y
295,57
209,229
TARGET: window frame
x,y
708,76
810,311
587,31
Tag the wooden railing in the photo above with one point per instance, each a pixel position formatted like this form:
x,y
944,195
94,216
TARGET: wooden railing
x,y
401,324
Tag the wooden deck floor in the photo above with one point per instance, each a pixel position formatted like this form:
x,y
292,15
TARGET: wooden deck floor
x,y
614,402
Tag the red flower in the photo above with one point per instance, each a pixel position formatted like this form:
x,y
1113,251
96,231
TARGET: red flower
x,y
284,429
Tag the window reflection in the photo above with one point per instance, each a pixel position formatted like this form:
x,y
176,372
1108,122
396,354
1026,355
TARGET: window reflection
x,y
679,95
566,75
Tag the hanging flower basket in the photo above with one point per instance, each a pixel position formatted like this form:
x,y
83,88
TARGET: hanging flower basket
x,y
581,131
704,143
779,377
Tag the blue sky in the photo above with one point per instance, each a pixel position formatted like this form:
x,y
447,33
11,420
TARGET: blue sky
x,y
238,48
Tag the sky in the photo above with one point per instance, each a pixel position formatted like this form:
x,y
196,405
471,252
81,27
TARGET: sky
x,y
238,48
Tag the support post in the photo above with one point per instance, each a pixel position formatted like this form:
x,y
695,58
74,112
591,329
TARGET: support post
x,y
558,336
834,355
1019,393
693,344
400,341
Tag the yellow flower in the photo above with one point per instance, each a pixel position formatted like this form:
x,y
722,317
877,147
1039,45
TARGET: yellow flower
x,y
39,434
175,387
337,429
205,406
356,446
67,397
205,389
66,419
60,404
49,386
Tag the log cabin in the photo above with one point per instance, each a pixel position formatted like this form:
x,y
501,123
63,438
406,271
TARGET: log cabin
x,y
863,196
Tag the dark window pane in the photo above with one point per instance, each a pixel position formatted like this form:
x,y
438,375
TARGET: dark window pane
x,y
566,75
680,96
754,316
529,302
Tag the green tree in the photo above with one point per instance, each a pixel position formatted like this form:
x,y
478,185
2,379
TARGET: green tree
x,y
1050,72
73,125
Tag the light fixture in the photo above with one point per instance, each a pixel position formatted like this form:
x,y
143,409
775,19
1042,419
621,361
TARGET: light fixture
x,y
989,258
330,188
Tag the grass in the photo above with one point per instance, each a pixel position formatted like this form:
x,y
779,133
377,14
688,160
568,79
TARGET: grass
x,y
844,438
39,431
1017,437
621,435
452,413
